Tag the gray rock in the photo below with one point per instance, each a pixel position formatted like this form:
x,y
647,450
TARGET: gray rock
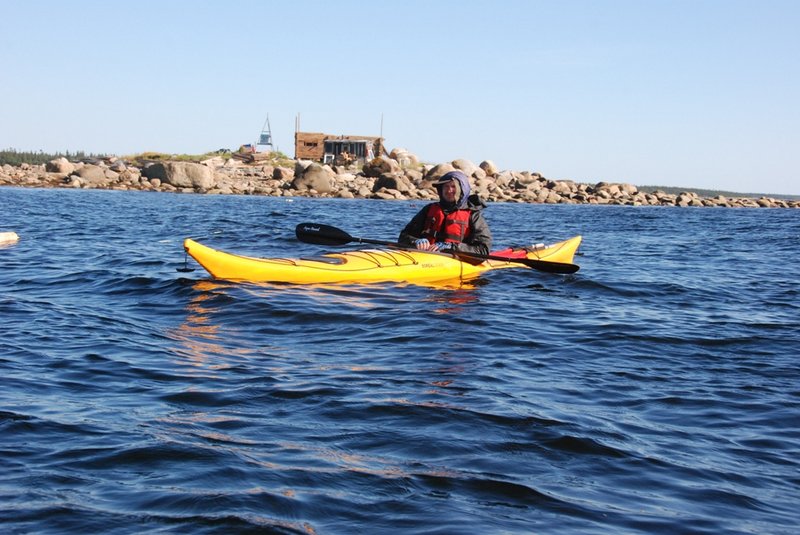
x,y
182,175
438,171
381,165
404,158
118,166
392,181
464,165
60,165
489,167
315,177
92,175
300,166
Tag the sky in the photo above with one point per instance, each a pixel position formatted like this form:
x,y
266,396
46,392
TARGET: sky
x,y
694,93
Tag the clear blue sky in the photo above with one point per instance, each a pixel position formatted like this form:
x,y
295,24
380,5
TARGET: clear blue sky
x,y
700,93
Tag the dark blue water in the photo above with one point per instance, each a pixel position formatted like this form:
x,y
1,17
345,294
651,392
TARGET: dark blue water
x,y
655,391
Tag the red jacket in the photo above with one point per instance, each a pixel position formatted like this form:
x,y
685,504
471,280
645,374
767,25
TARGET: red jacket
x,y
452,227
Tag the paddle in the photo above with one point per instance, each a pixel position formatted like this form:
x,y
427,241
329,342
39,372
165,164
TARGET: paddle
x,y
185,268
326,235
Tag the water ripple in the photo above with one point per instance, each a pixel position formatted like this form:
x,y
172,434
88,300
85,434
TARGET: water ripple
x,y
654,391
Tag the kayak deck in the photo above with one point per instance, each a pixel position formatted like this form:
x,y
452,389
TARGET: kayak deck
x,y
365,265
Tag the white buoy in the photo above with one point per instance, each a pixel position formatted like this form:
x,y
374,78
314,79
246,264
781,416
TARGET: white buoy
x,y
8,237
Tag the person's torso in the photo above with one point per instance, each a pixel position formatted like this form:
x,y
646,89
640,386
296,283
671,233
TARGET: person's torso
x,y
451,227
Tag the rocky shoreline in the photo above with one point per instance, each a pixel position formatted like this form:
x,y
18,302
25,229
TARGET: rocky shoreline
x,y
397,176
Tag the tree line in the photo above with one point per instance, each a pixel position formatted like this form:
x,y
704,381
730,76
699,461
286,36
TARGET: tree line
x,y
17,157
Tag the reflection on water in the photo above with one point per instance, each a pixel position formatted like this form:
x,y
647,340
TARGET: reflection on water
x,y
453,302
202,341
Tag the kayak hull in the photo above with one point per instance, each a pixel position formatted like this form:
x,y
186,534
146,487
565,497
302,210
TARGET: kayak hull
x,y
365,265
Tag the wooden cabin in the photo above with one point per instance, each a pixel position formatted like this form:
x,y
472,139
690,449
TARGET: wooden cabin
x,y
327,148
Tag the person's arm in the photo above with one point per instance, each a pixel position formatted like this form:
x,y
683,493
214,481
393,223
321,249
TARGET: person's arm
x,y
480,239
414,228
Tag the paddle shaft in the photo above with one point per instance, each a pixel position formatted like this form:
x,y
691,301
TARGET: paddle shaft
x,y
327,235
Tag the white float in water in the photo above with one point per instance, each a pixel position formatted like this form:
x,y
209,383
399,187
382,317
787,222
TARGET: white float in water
x,y
8,237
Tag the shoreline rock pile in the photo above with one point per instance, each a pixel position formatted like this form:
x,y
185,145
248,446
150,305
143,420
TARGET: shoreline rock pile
x,y
395,177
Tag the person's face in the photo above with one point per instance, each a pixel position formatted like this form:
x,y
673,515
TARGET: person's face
x,y
449,191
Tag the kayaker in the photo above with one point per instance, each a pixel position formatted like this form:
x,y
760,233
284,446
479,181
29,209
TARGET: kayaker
x,y
455,223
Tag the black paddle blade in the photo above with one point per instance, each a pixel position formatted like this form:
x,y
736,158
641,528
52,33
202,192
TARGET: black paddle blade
x,y
560,268
322,234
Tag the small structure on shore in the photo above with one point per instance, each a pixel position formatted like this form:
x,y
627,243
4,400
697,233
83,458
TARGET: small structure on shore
x,y
328,148
265,138
260,150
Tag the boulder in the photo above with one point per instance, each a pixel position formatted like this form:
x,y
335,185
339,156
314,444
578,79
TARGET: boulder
x,y
489,167
300,166
414,176
503,179
92,175
317,177
214,161
562,187
380,165
438,171
684,199
607,190
464,165
118,166
391,181
182,174
552,198
60,165
387,194
404,158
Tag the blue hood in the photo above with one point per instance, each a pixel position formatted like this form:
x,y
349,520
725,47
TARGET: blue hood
x,y
463,183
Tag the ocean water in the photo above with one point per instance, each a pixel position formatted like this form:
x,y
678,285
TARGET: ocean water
x,y
655,391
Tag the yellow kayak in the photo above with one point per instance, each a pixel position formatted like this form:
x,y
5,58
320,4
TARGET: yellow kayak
x,y
371,265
